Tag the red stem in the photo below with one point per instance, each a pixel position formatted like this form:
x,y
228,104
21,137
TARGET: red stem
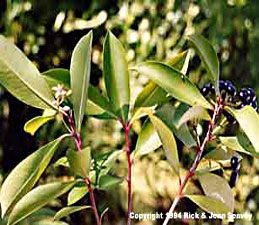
x,y
219,106
91,193
129,179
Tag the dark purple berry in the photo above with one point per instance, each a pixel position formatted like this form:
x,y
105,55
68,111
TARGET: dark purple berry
x,y
233,179
235,163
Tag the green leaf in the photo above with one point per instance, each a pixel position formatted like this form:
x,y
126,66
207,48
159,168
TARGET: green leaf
x,y
61,162
80,162
233,143
194,113
35,123
21,77
244,141
248,120
37,198
177,61
77,192
217,187
116,76
69,210
208,56
107,181
148,139
169,144
23,177
221,153
80,68
209,204
57,76
172,81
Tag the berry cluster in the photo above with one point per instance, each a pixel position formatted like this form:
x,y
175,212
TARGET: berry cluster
x,y
231,97
235,165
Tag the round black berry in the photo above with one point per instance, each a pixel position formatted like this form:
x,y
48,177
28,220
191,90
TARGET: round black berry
x,y
234,163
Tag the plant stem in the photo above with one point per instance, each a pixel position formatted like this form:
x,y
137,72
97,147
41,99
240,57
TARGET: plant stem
x,y
200,148
129,179
92,199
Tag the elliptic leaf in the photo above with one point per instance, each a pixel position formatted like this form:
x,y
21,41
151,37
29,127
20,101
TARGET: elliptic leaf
x,y
80,68
172,81
248,120
80,161
207,55
116,76
36,199
23,177
57,76
209,204
107,181
217,187
169,144
77,192
21,77
69,210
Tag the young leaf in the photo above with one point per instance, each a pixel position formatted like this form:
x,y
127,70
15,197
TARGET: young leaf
x,y
169,144
209,204
171,80
80,161
107,181
57,76
80,68
36,199
148,139
35,123
61,162
69,210
248,120
217,187
195,112
77,192
21,77
25,175
116,76
207,55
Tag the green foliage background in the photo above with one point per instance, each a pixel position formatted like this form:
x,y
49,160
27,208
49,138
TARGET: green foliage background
x,y
48,31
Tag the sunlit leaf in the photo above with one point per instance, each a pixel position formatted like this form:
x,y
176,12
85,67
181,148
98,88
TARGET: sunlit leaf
x,y
169,144
248,120
36,199
77,192
194,113
80,68
21,77
61,162
25,175
217,187
116,76
57,76
66,211
207,55
35,123
209,204
172,81
80,161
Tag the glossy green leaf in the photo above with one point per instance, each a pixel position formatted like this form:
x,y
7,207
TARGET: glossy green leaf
x,y
21,77
217,187
178,60
171,80
80,68
108,181
66,211
169,144
35,123
244,141
209,204
232,143
221,154
194,113
207,54
148,140
80,162
77,192
36,199
57,76
248,120
116,76
25,175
